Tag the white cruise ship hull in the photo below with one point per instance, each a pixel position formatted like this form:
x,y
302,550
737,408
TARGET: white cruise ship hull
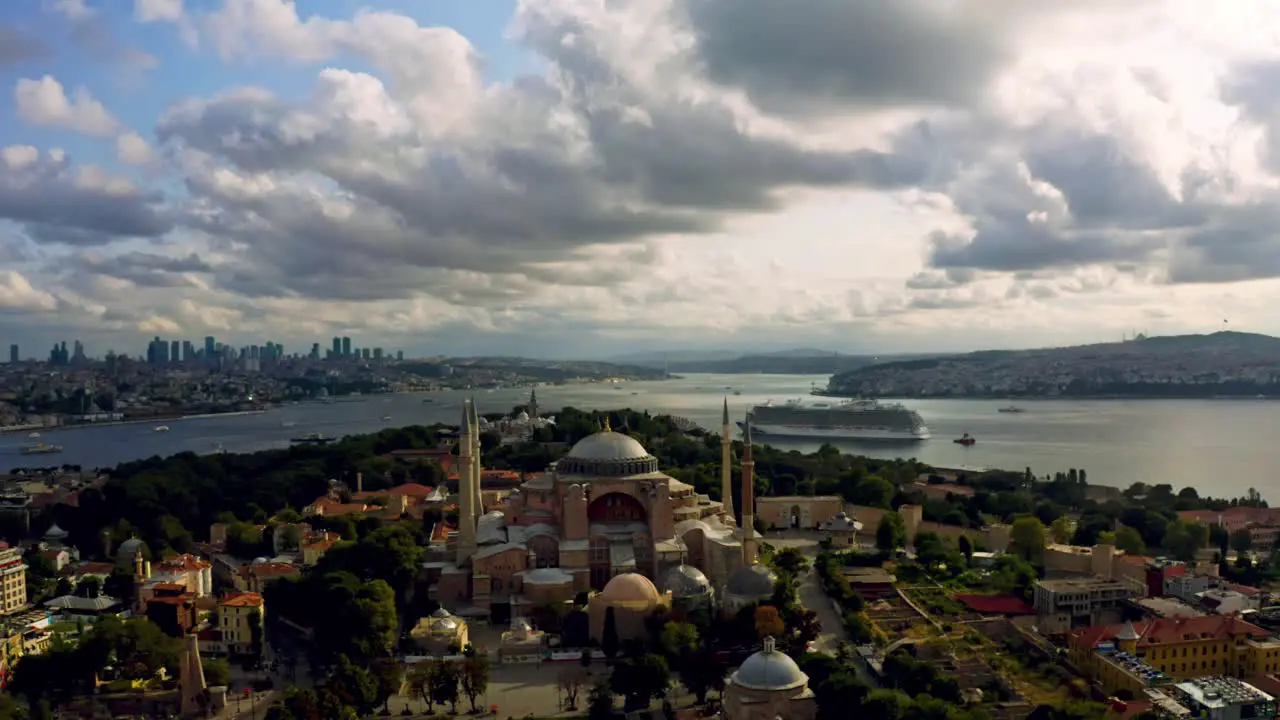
x,y
838,433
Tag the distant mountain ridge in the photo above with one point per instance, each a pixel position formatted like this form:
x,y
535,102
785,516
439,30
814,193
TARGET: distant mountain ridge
x,y
1228,363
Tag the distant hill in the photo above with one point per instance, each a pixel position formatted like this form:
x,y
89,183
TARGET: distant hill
x,y
541,370
1231,364
795,361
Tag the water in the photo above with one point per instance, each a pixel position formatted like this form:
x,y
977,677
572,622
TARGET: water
x,y
1221,447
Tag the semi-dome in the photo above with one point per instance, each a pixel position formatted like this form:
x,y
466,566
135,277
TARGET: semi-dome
x,y
131,547
444,625
686,581
770,670
55,533
547,576
607,453
440,613
631,591
752,581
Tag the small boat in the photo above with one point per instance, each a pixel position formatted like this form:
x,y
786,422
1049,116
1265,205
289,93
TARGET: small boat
x,y
287,424
1011,409
311,439
34,436
162,428
41,449
385,418
737,392
965,440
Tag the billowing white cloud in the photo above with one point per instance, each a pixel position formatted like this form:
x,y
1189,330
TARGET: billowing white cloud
x,y
685,171
45,102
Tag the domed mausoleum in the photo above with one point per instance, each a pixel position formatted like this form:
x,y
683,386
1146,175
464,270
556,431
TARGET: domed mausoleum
x,y
769,685
690,589
633,598
749,585
603,511
440,633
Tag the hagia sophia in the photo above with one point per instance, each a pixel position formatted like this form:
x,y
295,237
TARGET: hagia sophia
x,y
604,518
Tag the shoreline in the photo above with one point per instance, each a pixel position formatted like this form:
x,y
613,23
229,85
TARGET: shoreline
x,y
1045,398
137,421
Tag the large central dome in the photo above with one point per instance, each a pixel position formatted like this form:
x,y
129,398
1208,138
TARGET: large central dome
x,y
609,454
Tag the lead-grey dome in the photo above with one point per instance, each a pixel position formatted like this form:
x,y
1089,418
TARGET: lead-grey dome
x,y
607,453
752,581
770,670
130,547
686,581
440,613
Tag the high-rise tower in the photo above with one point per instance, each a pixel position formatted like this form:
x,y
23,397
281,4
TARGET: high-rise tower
x,y
748,497
726,466
466,514
533,403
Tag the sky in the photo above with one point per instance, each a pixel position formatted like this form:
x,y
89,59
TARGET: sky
x,y
590,178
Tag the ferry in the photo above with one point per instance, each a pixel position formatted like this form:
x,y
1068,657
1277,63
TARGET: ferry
x,y
850,419
965,440
312,439
34,436
41,449
162,428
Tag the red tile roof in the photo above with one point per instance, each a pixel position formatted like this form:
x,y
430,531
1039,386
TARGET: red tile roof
x,y
1164,631
996,604
440,532
242,599
184,563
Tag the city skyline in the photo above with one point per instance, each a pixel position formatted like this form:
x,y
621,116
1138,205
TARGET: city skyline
x,y
559,179
160,351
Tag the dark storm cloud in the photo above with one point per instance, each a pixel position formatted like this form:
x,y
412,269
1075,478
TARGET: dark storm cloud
x,y
56,208
19,46
805,54
147,269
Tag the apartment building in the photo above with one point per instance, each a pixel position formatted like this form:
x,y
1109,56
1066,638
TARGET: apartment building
x,y
13,580
236,622
1081,602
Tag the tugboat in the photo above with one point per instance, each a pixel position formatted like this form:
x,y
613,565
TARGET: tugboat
x,y
965,440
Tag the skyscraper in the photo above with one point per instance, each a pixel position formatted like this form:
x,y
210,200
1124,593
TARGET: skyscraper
x,y
346,347
337,348
175,349
13,353
210,348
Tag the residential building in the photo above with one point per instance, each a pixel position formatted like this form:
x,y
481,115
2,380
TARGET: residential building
x,y
236,621
1226,602
1186,587
1139,655
1085,602
172,607
13,580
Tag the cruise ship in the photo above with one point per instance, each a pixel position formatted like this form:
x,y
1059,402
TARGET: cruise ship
x,y
849,419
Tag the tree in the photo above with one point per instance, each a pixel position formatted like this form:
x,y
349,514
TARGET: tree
x,y
217,672
891,533
678,640
873,491
701,674
966,546
640,680
474,675
442,684
1242,539
255,635
1183,538
1130,540
570,681
609,637
389,675
1061,530
600,702
356,686
790,561
1028,537
767,622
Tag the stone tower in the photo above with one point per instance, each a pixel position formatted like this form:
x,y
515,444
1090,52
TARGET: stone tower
x,y
748,497
191,678
726,466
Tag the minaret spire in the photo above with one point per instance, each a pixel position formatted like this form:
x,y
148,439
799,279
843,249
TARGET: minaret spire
x,y
533,403
477,501
466,515
748,497
726,467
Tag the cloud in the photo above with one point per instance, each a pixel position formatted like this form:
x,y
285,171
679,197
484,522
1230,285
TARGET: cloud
x,y
132,149
44,102
674,170
56,203
18,46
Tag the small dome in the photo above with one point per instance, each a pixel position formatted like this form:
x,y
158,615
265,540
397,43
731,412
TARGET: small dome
x,y
440,613
608,445
130,547
444,625
261,560
686,581
752,581
632,591
56,533
521,624
769,670
842,521
1128,632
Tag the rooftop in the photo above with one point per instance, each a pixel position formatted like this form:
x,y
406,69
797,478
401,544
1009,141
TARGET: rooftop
x,y
1173,630
1220,691
242,599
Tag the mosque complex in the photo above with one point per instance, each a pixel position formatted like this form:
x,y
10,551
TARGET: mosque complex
x,y
604,518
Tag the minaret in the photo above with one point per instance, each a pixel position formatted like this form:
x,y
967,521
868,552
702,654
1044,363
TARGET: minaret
x,y
533,403
477,504
466,515
748,498
726,466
